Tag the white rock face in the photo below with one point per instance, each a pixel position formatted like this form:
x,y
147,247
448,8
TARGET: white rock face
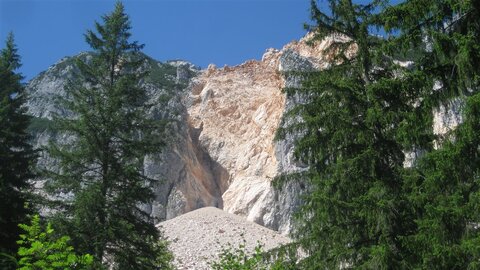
x,y
448,116
239,110
222,151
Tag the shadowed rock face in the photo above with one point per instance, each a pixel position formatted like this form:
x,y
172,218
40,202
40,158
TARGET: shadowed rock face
x,y
221,150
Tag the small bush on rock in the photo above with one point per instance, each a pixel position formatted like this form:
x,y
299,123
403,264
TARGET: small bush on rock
x,y
241,259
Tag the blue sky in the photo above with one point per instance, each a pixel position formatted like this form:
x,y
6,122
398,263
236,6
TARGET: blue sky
x,y
200,31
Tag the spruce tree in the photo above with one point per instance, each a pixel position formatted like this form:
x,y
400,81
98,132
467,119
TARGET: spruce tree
x,y
357,119
446,37
445,191
16,154
100,170
446,196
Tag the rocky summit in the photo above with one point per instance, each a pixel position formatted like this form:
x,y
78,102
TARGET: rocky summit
x,y
220,149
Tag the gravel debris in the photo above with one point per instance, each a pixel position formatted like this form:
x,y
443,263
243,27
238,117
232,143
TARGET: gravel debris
x,y
196,238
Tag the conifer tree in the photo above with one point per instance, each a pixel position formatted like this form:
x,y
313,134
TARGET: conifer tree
x,y
445,193
357,117
101,167
446,196
446,35
16,154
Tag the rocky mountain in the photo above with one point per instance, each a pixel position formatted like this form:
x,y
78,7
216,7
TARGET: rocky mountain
x,y
221,149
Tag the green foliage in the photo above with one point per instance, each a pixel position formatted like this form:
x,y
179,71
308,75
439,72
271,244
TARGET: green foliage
x,y
162,75
38,125
358,117
240,258
444,188
16,154
40,249
8,261
101,168
448,31
445,194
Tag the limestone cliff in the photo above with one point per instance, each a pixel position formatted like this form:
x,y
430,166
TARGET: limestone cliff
x,y
221,150
237,111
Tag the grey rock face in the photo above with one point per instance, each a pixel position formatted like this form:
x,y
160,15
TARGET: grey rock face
x,y
448,116
189,173
185,175
289,63
287,197
446,119
291,60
